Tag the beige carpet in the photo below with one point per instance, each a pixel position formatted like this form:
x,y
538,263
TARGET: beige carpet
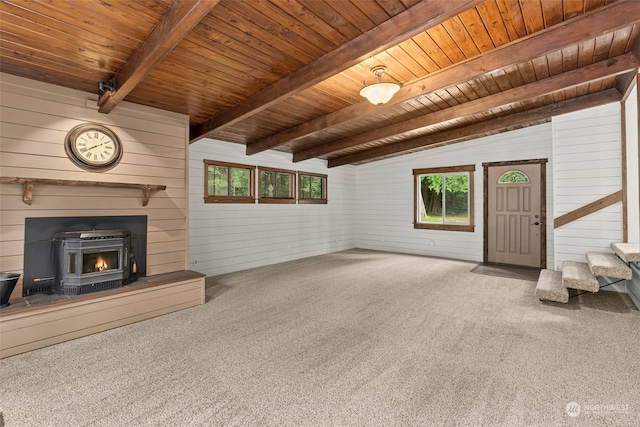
x,y
357,338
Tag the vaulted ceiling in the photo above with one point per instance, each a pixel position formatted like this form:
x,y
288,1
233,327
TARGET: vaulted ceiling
x,y
286,74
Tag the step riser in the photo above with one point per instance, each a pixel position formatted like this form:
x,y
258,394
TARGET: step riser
x,y
550,287
614,275
580,286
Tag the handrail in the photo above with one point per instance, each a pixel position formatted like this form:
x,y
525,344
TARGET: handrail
x,y
588,209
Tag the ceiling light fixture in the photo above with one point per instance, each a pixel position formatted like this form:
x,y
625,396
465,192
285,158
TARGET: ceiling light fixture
x,y
380,92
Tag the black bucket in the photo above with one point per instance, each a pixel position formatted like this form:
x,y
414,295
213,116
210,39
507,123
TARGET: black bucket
x,y
7,284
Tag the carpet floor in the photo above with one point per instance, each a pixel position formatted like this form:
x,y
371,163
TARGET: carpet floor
x,y
355,338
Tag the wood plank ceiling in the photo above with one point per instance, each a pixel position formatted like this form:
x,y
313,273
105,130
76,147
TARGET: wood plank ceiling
x,y
286,74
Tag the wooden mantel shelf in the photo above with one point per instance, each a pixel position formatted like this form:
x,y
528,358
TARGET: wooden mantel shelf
x,y
28,183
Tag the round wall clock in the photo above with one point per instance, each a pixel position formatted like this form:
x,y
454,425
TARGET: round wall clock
x,y
93,147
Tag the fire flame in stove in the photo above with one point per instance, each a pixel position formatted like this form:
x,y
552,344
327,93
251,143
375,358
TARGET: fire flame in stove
x,y
101,264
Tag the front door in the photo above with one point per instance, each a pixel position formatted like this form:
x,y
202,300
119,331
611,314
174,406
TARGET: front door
x,y
514,216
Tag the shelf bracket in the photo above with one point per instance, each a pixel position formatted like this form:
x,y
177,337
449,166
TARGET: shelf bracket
x,y
27,192
146,194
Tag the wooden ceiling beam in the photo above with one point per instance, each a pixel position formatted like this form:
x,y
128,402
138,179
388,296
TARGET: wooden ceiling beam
x,y
600,70
625,83
585,27
479,129
416,19
179,20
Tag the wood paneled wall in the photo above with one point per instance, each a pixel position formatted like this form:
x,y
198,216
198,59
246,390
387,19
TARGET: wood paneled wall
x,y
227,237
633,167
587,166
385,195
34,119
633,184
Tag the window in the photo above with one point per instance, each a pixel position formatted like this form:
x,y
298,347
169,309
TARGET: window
x,y
228,182
276,185
513,177
444,198
312,188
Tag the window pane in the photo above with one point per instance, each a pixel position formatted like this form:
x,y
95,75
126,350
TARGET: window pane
x,y
313,187
240,180
229,182
511,177
276,184
210,180
431,192
283,185
317,188
305,187
443,198
218,181
267,184
456,199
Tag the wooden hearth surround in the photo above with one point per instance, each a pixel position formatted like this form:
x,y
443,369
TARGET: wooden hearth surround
x,y
33,323
41,320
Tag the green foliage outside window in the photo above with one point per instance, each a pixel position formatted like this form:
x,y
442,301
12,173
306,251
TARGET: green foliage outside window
x,y
513,177
445,198
275,184
236,183
312,187
228,181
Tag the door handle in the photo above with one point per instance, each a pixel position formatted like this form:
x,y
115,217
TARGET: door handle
x,y
535,223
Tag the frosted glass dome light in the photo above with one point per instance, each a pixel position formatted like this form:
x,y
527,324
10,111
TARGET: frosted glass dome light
x,y
379,93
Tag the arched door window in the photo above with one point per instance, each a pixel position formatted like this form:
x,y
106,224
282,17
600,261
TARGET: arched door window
x,y
513,177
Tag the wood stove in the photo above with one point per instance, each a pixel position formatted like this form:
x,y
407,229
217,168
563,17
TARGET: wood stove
x,y
92,260
46,264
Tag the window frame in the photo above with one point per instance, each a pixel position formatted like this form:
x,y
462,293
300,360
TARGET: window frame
x,y
310,200
470,170
229,199
266,199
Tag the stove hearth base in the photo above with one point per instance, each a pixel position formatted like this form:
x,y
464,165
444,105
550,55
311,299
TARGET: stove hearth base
x,y
57,318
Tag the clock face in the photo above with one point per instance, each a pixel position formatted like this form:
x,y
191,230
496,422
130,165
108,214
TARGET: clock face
x,y
93,147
